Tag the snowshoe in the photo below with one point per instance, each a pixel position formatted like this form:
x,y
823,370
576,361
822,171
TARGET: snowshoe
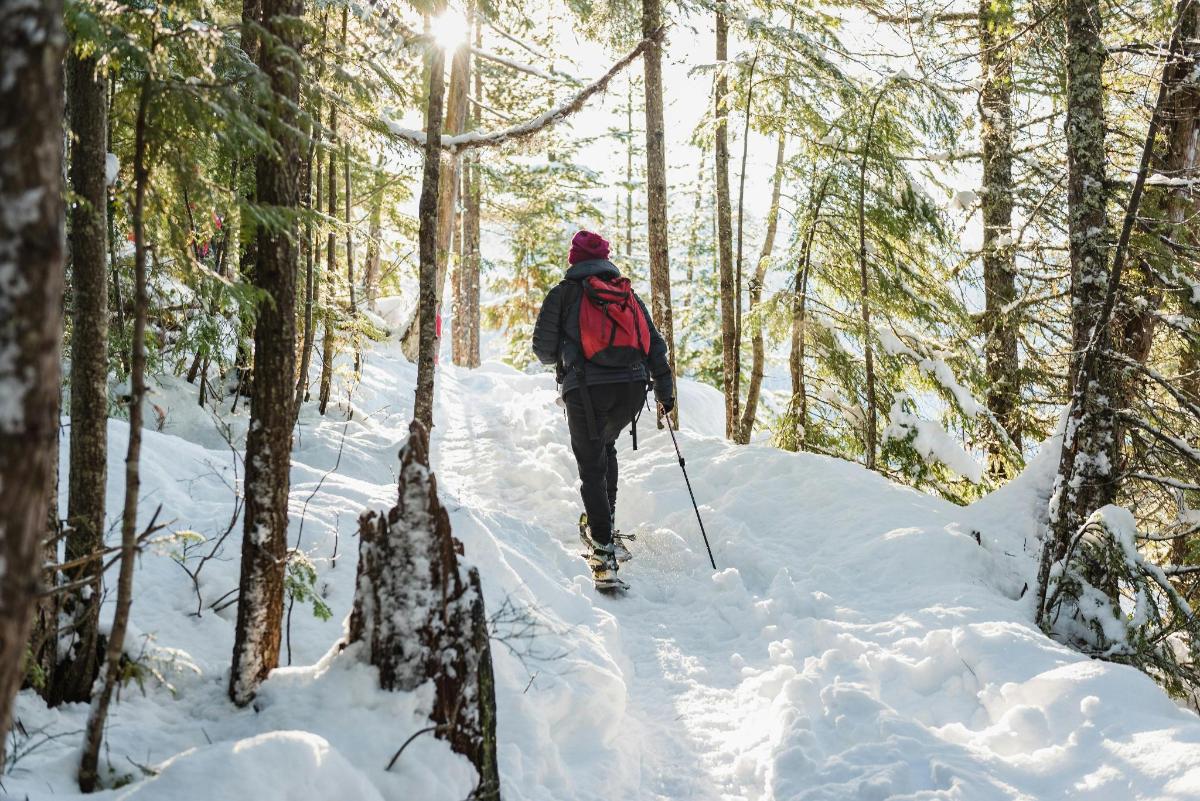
x,y
602,559
603,562
622,551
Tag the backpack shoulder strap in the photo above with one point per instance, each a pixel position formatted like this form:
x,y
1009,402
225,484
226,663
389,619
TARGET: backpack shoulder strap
x,y
572,290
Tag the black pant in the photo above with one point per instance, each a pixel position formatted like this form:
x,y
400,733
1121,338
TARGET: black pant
x,y
614,406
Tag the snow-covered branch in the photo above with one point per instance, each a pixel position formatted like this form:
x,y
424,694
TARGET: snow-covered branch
x,y
531,127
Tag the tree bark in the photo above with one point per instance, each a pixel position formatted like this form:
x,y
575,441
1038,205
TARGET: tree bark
x,y
1000,326
738,280
799,406
758,349
1086,477
32,42
871,422
427,236
312,278
353,317
374,235
327,315
87,481
454,123
98,714
269,443
472,225
729,365
656,188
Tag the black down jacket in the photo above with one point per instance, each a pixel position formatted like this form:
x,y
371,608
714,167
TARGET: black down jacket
x,y
556,338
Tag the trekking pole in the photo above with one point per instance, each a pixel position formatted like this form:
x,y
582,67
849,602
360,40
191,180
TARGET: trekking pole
x,y
687,481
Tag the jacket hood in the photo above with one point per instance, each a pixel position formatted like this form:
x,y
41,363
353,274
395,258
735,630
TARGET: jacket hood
x,y
583,269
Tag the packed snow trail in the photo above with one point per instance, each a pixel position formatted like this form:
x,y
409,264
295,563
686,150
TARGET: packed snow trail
x,y
856,642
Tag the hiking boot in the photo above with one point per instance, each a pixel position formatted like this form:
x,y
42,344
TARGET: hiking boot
x,y
622,553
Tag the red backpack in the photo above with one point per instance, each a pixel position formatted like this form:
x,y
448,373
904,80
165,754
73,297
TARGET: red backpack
x,y
612,326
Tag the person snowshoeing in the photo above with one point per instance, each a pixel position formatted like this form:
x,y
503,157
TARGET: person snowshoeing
x,y
605,349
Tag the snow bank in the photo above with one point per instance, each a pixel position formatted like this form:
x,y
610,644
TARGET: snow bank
x,y
275,766
860,640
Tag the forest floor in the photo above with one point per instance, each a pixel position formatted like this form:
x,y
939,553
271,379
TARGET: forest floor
x,y
856,641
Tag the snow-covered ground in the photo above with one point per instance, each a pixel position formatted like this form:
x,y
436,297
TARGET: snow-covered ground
x,y
855,643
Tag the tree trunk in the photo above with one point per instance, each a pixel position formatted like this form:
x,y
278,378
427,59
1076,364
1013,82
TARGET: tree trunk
x,y
871,422
88,472
98,714
31,257
799,405
269,443
999,254
731,380
1175,206
327,316
656,188
419,621
455,121
374,234
471,226
457,340
353,317
312,278
758,350
629,140
1090,449
428,217
741,218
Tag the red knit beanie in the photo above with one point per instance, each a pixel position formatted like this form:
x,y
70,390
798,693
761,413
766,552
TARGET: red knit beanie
x,y
586,245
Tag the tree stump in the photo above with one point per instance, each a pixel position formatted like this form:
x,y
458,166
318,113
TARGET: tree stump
x,y
421,620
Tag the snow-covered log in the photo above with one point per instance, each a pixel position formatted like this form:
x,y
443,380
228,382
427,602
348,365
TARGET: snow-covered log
x,y
421,619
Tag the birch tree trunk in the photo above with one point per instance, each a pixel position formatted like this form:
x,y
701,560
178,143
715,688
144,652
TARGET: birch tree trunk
x,y
758,350
999,255
87,480
269,443
32,42
730,382
656,187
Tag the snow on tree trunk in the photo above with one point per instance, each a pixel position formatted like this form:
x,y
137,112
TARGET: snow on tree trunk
x,y
1086,478
31,285
729,365
269,442
656,185
87,108
419,620
999,254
